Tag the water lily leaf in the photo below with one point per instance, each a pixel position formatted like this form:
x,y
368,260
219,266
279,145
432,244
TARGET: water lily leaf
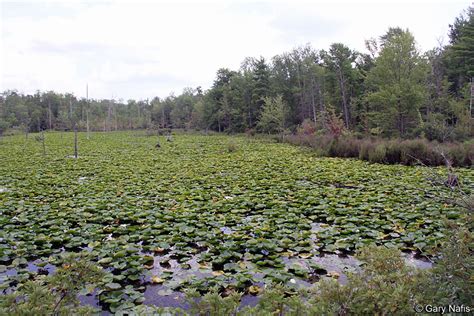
x,y
254,289
157,280
217,273
113,286
165,292
333,274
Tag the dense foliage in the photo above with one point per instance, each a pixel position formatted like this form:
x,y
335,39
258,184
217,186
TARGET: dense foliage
x,y
204,211
389,151
55,294
394,90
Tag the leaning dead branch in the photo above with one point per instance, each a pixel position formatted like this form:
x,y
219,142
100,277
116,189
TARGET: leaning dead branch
x,y
452,181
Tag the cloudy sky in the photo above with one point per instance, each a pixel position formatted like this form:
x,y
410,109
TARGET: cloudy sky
x,y
141,49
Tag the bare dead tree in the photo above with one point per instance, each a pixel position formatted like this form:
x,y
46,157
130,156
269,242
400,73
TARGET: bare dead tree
x,y
50,115
75,140
40,138
87,110
73,122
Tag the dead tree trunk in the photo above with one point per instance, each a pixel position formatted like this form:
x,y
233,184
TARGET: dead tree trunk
x,y
50,115
75,140
44,145
87,110
345,104
87,123
115,117
313,105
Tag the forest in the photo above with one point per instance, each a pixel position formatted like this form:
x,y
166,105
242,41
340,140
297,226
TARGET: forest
x,y
393,90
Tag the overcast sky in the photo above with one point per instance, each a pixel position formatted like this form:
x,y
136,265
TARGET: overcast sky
x,y
142,49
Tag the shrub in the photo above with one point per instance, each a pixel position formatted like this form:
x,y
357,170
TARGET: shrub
x,y
385,286
306,128
393,153
377,154
407,152
232,147
335,124
344,147
56,294
469,148
320,144
451,279
212,303
457,155
151,132
250,132
4,125
365,147
413,151
435,128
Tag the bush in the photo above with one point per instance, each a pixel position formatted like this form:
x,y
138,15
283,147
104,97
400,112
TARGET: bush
x,y
56,294
212,303
250,132
457,155
365,147
344,147
413,151
151,132
232,147
451,280
469,148
393,152
335,124
377,155
385,286
407,152
306,128
320,144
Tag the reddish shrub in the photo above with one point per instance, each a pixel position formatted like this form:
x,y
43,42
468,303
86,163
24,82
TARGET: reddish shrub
x,y
250,132
306,128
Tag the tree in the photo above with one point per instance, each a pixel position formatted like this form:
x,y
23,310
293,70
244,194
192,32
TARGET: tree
x,y
261,88
272,118
3,126
217,105
181,113
459,56
396,84
339,61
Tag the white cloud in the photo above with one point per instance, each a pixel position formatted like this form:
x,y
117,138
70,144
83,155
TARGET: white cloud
x,y
143,49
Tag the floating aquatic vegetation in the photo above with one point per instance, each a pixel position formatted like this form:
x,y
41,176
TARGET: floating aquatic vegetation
x,y
191,215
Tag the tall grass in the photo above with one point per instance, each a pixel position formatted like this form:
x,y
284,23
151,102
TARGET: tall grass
x,y
395,151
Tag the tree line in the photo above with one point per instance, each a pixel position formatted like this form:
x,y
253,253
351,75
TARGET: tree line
x,y
392,90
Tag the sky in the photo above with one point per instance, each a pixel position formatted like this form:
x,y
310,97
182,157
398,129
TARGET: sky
x,y
143,49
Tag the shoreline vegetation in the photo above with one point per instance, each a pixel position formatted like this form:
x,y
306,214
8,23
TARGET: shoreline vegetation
x,y
408,152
